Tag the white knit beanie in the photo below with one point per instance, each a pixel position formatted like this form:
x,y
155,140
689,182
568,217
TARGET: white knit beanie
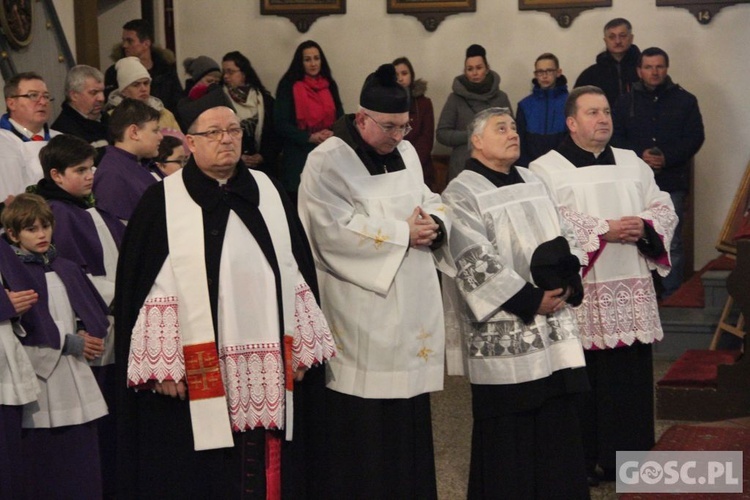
x,y
129,69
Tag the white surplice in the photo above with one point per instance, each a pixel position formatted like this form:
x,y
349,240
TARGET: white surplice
x,y
69,393
381,297
249,343
494,235
19,161
619,305
18,383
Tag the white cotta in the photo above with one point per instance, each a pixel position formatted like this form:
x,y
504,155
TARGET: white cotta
x,y
619,302
495,233
69,393
381,297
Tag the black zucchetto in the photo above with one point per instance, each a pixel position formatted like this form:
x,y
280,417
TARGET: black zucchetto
x,y
382,92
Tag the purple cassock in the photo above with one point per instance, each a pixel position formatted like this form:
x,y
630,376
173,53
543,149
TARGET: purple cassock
x,y
17,279
85,300
120,181
75,236
65,458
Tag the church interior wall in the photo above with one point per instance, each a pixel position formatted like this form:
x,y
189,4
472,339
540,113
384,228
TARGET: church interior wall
x,y
711,61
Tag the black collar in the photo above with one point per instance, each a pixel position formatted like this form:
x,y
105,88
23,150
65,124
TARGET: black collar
x,y
208,193
499,179
582,158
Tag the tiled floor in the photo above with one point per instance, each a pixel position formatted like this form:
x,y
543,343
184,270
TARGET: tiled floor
x,y
451,416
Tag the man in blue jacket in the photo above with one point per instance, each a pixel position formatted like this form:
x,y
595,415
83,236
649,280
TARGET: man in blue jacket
x,y
662,123
541,116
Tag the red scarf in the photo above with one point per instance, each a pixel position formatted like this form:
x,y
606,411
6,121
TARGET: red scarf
x,y
313,104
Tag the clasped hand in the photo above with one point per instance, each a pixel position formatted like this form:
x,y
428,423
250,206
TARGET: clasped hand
x,y
422,229
628,229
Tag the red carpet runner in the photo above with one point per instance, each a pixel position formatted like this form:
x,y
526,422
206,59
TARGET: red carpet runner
x,y
690,294
703,438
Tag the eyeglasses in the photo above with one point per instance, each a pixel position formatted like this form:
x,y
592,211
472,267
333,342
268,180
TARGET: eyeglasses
x,y
217,134
543,72
35,96
181,161
391,129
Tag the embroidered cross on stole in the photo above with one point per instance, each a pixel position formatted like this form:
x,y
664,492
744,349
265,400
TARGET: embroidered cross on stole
x,y
202,371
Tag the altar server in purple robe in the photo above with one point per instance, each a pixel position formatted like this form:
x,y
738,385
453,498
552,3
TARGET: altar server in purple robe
x,y
124,172
18,385
91,238
60,445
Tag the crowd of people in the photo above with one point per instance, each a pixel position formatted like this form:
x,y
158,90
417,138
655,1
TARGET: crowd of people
x,y
212,292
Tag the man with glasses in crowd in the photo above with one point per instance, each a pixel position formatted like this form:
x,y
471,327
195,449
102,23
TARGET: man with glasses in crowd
x,y
541,115
23,132
218,329
615,69
374,228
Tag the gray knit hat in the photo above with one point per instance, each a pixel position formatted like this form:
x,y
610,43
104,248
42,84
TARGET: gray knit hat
x,y
200,66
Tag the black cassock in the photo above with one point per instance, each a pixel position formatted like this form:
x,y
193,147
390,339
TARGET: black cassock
x,y
156,457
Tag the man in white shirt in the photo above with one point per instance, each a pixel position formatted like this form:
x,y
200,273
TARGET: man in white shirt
x,y
23,132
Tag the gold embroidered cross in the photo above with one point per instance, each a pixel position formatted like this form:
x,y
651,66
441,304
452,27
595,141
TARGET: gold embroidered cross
x,y
202,371
378,239
425,352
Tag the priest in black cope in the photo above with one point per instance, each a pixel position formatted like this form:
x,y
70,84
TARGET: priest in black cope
x,y
214,270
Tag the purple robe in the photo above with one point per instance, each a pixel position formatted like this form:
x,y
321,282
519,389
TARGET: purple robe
x,y
76,238
85,300
9,265
120,181
10,416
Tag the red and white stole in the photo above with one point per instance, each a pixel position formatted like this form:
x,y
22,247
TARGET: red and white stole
x,y
211,423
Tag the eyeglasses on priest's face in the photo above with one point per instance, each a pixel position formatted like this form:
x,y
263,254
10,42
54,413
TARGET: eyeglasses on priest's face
x,y
216,134
391,129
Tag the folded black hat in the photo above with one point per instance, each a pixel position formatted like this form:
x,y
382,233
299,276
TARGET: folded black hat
x,y
188,111
381,92
553,266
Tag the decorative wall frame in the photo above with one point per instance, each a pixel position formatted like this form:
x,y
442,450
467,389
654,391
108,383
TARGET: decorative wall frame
x,y
737,224
302,12
16,18
564,11
703,10
430,12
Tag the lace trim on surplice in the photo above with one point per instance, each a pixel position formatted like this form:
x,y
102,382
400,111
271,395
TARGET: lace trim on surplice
x,y
619,312
587,229
254,381
155,346
313,341
664,221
